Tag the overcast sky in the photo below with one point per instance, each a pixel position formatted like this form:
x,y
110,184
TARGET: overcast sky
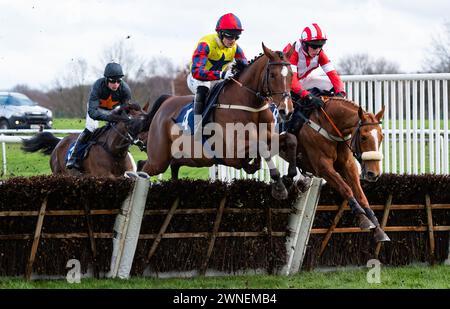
x,y
38,39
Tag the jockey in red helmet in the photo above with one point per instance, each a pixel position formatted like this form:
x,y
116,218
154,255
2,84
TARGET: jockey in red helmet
x,y
212,57
307,56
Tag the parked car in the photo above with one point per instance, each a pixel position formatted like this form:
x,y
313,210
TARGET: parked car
x,y
17,111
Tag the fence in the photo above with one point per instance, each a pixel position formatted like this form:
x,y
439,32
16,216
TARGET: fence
x,y
415,123
11,138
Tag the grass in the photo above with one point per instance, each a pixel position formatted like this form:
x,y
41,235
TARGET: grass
x,y
24,164
436,277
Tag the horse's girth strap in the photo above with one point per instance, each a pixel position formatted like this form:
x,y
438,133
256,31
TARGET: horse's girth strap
x,y
244,108
327,135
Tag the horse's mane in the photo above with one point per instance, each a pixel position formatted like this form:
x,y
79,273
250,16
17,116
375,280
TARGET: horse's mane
x,y
100,131
345,100
240,66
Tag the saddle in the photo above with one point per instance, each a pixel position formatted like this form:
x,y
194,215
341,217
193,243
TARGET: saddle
x,y
186,115
84,148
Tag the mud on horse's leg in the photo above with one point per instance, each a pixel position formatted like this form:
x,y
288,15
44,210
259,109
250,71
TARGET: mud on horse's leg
x,y
363,221
379,234
288,141
279,191
174,169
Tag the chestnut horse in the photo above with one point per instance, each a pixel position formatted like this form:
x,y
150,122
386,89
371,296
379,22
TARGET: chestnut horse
x,y
108,155
244,100
326,149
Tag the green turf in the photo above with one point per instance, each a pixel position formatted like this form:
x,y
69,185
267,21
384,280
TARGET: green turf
x,y
20,163
399,277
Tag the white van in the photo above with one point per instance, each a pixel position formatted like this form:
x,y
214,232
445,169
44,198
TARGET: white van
x,y
17,111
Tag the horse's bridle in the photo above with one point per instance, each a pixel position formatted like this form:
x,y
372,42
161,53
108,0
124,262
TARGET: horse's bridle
x,y
355,142
129,139
355,145
266,94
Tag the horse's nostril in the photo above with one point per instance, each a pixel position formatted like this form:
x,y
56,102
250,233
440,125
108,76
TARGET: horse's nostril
x,y
371,174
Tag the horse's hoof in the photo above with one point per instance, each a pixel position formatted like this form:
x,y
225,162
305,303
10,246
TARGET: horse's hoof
x,y
287,181
364,223
279,193
380,235
303,184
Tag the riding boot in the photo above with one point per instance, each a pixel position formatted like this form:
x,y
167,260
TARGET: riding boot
x,y
294,124
199,102
74,159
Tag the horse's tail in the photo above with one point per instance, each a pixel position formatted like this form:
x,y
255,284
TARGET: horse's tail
x,y
44,141
156,105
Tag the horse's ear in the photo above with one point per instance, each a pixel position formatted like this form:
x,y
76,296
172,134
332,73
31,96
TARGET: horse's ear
x,y
380,114
268,52
146,106
361,113
291,50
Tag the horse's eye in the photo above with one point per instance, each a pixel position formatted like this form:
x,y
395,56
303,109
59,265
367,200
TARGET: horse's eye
x,y
363,138
272,75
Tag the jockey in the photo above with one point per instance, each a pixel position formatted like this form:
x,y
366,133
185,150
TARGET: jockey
x,y
307,56
106,94
211,59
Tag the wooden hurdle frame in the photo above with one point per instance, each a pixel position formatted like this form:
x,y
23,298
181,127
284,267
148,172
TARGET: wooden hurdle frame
x,y
42,213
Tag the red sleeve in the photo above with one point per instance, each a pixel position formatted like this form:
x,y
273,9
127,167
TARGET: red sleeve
x,y
296,87
240,55
199,61
331,72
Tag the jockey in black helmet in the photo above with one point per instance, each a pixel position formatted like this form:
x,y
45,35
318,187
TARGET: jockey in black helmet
x,y
106,94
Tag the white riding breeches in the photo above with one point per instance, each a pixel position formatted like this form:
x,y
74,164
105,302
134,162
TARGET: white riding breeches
x,y
91,124
193,83
321,82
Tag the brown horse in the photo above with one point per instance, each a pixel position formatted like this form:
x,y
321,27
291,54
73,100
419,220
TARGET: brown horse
x,y
244,100
322,151
108,155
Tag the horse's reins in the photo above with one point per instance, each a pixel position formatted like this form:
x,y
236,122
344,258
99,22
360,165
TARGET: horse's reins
x,y
128,138
355,142
264,96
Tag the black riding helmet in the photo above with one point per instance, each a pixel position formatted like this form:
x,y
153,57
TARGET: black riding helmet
x,y
113,70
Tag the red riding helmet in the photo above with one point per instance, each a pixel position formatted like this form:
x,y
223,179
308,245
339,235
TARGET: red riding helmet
x,y
229,22
313,33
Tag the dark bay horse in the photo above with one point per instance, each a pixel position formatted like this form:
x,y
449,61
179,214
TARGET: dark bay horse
x,y
108,155
326,155
244,100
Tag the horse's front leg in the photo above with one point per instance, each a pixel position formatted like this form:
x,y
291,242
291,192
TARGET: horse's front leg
x,y
350,173
267,149
279,190
288,145
326,170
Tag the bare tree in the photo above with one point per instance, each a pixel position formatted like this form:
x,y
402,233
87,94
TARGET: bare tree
x,y
122,53
439,60
70,88
161,66
362,64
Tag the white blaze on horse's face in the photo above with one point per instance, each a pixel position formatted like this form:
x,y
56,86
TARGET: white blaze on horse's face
x,y
284,73
374,134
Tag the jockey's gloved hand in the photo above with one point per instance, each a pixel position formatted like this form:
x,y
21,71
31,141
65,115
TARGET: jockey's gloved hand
x,y
226,74
341,94
114,117
312,100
